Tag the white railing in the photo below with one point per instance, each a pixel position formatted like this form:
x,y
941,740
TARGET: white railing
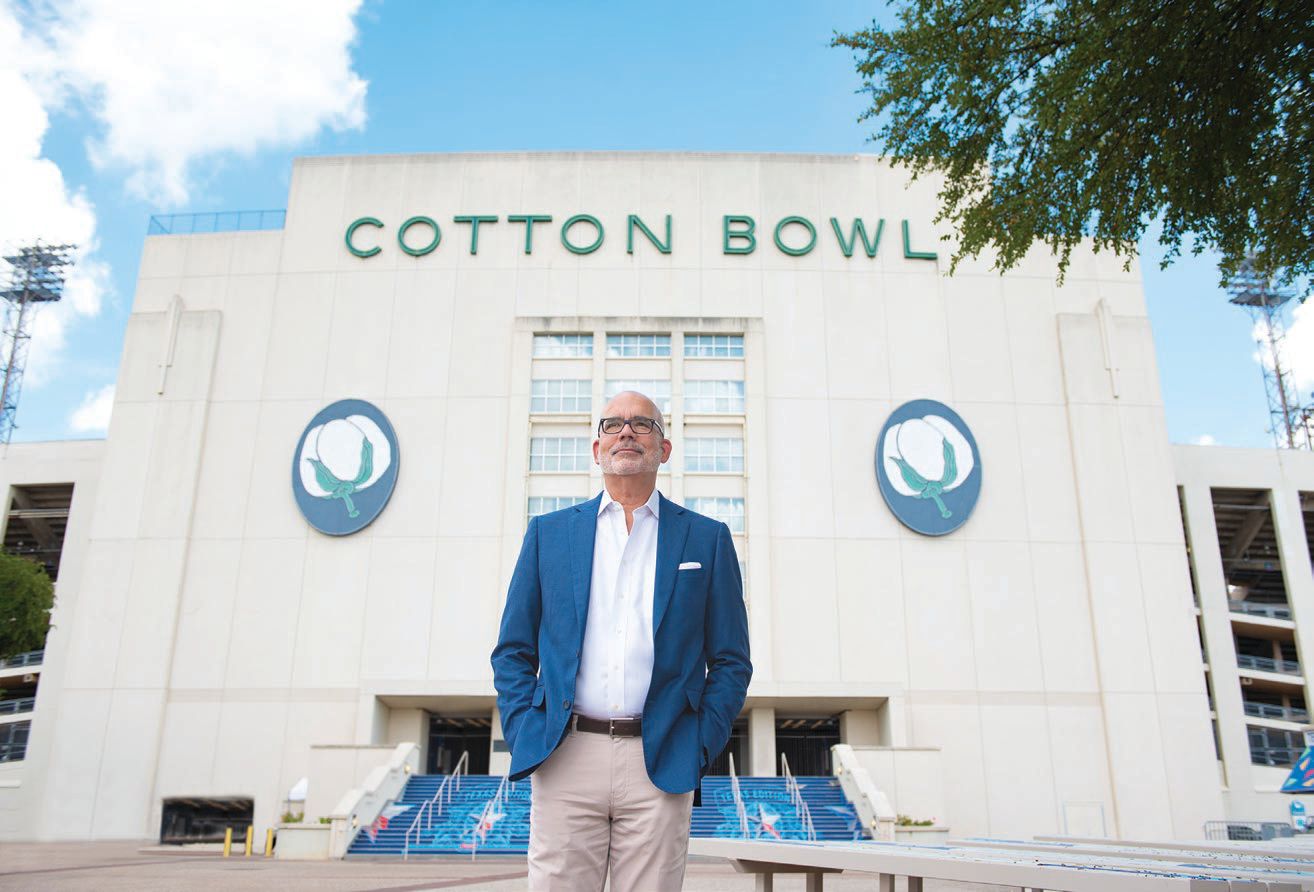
x,y
872,805
434,804
739,799
796,798
361,806
491,813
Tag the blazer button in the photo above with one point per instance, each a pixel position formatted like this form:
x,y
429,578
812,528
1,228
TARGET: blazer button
x,y
565,704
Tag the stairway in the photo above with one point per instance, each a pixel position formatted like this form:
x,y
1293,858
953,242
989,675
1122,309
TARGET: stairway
x,y
770,813
453,831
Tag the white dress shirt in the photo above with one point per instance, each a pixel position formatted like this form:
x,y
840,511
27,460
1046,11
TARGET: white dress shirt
x,y
615,667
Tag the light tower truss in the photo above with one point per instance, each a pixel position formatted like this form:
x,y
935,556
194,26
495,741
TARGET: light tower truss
x,y
36,277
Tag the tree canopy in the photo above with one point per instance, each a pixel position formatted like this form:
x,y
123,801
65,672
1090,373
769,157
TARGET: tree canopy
x,y
26,597
1078,119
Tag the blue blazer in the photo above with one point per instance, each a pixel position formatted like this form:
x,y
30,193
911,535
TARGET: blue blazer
x,y
700,668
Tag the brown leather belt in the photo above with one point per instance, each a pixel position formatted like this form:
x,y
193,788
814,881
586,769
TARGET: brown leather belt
x,y
611,727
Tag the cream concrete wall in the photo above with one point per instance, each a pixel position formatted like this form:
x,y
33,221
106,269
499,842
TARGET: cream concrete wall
x,y
219,637
77,462
1250,791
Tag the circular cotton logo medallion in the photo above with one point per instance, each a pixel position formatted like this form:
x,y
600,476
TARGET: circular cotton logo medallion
x,y
345,467
928,467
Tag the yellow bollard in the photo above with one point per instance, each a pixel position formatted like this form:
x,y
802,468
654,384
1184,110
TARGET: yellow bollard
x,y
228,841
269,842
250,835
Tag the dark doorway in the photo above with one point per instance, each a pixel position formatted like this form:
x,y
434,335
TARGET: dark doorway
x,y
738,747
205,820
806,743
450,736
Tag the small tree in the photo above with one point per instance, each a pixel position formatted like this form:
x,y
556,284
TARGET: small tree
x,y
26,598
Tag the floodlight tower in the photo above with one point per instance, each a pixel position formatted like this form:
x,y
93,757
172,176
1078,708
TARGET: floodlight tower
x,y
1255,290
36,277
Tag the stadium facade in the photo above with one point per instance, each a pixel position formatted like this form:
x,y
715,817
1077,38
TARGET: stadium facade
x,y
1061,660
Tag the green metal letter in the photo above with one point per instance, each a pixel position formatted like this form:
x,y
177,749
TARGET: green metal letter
x,y
909,252
801,221
419,252
474,220
581,218
351,230
859,231
745,234
634,221
529,220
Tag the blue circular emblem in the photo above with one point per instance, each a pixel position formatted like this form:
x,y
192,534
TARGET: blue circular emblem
x,y
345,467
928,467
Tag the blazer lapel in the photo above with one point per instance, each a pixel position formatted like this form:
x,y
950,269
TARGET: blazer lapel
x,y
672,530
583,534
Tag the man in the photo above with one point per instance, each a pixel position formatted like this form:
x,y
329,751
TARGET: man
x,y
621,662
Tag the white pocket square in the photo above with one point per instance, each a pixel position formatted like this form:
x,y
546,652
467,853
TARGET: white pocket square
x,y
690,565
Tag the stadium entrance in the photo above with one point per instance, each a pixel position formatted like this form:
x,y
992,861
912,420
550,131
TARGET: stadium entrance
x,y
450,736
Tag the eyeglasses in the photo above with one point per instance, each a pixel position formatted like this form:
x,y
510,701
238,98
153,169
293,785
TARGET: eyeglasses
x,y
639,424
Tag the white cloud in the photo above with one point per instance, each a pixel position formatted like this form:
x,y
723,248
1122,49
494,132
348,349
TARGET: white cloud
x,y
1205,440
37,203
174,84
93,415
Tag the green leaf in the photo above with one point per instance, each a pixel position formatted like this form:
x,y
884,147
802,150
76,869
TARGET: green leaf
x,y
950,464
366,462
910,476
327,481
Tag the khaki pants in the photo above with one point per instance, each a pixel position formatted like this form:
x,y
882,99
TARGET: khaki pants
x,y
593,807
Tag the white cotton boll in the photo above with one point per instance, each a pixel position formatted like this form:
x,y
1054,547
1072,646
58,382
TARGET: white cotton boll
x,y
338,447
922,445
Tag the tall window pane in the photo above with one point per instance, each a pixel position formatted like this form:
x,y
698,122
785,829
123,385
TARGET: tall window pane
x,y
623,346
559,453
714,455
714,396
703,346
547,504
548,346
729,511
560,396
658,391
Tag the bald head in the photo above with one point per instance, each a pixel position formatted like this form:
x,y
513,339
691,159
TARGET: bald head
x,y
627,453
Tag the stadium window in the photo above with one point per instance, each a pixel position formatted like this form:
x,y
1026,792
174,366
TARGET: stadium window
x,y
658,391
729,511
552,396
714,455
559,453
563,346
704,346
547,504
717,397
631,346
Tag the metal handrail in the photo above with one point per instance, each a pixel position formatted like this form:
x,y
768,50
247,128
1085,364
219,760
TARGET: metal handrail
x,y
426,810
740,811
490,808
1268,664
796,797
30,658
21,704
1272,711
1256,608
216,221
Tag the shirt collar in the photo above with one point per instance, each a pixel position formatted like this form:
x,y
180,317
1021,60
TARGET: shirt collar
x,y
653,504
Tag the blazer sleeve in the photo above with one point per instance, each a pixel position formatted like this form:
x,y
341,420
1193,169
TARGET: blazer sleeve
x,y
726,635
515,658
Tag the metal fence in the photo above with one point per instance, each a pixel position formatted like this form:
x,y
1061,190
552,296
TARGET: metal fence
x,y
1248,831
1267,664
1254,608
21,704
1272,711
31,658
216,221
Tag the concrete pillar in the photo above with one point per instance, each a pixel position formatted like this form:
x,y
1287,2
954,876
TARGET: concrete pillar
x,y
860,727
499,754
761,743
1297,573
1216,621
892,722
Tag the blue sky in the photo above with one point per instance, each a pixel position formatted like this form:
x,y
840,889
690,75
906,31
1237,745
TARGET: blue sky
x,y
233,94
